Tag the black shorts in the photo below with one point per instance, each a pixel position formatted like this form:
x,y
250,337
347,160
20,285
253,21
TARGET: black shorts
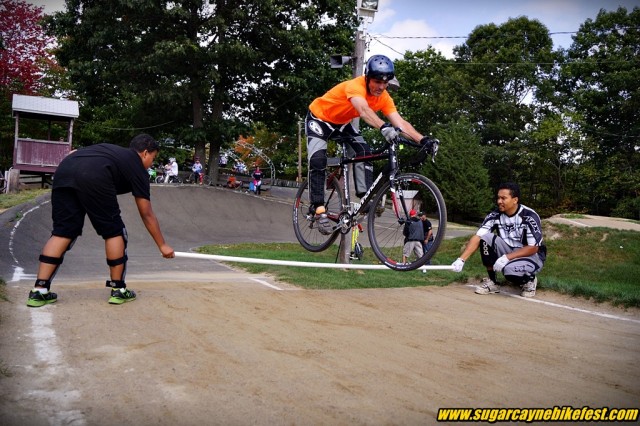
x,y
69,206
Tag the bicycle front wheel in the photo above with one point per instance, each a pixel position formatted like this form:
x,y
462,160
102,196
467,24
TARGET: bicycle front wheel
x,y
206,180
393,203
304,223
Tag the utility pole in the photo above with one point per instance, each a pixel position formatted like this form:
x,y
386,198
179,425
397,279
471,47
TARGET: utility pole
x,y
299,151
366,11
358,63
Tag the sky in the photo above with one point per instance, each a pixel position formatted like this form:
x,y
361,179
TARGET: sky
x,y
417,19
452,18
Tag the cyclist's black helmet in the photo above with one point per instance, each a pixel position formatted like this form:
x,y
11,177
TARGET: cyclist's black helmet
x,y
379,67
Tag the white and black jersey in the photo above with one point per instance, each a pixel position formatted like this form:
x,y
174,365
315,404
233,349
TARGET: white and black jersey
x,y
521,229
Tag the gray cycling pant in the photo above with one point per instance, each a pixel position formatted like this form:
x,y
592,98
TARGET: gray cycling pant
x,y
517,271
318,133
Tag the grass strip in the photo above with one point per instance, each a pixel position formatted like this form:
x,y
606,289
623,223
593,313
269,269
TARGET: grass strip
x,y
594,263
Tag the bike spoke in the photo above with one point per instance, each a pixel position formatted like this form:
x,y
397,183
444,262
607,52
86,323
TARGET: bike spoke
x,y
386,226
305,224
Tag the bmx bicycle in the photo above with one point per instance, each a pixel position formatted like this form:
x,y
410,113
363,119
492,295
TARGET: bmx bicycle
x,y
161,173
204,179
386,205
153,174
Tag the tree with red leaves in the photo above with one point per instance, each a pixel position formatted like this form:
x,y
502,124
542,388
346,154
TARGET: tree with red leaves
x,y
25,55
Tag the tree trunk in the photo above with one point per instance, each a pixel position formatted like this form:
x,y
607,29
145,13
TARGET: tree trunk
x,y
216,142
198,123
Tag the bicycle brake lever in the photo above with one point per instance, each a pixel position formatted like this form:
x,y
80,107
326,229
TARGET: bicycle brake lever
x,y
436,145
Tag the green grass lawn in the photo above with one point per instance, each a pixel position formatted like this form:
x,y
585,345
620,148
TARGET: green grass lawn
x,y
11,200
598,263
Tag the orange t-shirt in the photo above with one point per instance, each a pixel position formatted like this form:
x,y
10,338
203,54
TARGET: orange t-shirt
x,y
335,105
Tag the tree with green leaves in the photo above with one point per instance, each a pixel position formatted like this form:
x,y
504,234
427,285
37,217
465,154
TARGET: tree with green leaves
x,y
600,86
505,65
430,99
199,71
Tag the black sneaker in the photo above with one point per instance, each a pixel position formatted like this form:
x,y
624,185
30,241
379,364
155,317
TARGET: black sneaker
x,y
121,295
37,299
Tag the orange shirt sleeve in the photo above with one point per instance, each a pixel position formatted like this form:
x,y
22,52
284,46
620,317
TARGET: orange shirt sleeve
x,y
335,105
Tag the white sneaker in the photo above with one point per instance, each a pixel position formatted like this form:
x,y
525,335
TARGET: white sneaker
x,y
487,286
529,289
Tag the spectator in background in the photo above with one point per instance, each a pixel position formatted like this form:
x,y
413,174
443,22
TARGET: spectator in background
x,y
257,179
197,170
428,234
413,237
171,170
233,183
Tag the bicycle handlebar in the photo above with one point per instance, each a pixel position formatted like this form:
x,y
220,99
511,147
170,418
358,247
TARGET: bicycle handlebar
x,y
400,140
405,141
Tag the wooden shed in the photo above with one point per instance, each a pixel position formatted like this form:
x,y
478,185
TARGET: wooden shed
x,y
42,155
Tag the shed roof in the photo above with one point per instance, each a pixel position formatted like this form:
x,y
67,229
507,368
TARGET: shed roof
x,y
40,106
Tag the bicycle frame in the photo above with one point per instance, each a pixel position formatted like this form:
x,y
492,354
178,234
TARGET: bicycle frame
x,y
385,206
352,210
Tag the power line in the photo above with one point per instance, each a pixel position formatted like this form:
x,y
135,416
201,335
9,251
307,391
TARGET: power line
x,y
445,37
124,128
465,37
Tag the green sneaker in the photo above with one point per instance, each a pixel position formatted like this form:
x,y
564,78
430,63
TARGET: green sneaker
x,y
37,299
121,295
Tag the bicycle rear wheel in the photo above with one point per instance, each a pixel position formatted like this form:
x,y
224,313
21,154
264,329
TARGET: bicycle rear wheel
x,y
410,191
206,180
304,223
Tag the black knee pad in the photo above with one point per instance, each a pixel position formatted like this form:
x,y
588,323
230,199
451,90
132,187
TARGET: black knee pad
x,y
121,260
318,160
487,254
51,260
57,261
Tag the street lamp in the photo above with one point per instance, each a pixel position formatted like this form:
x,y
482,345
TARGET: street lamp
x,y
367,8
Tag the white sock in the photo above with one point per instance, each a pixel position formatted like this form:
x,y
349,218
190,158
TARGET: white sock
x,y
41,290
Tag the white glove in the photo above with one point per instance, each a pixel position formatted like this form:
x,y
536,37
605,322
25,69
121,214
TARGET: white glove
x,y
458,265
499,265
389,132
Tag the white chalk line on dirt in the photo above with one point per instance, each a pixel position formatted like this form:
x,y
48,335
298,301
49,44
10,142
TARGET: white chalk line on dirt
x,y
569,308
45,345
49,356
264,283
18,272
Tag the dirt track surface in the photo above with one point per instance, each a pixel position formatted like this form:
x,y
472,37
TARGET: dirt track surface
x,y
205,344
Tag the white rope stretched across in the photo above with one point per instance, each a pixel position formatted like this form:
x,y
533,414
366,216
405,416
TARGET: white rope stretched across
x,y
296,263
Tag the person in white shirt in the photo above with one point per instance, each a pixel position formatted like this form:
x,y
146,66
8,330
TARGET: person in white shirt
x,y
171,168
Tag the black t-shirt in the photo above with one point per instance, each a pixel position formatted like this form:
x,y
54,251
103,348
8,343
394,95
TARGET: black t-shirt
x,y
426,224
104,168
